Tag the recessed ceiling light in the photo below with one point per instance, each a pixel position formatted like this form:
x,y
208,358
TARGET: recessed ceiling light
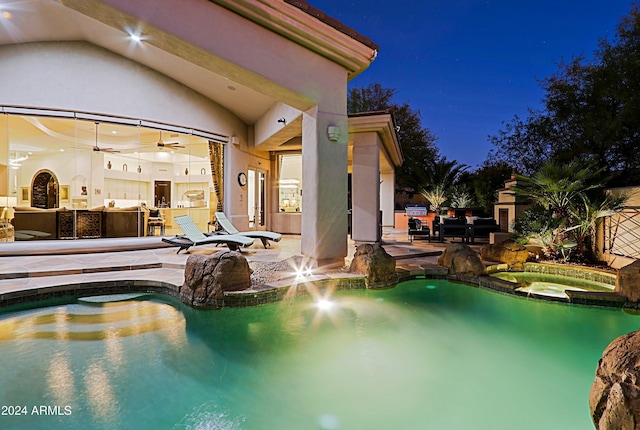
x,y
62,150
135,37
6,14
114,132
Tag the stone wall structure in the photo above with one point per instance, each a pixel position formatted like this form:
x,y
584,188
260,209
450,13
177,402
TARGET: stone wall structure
x,y
614,400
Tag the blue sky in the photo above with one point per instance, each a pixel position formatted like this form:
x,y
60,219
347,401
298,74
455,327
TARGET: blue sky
x,y
469,66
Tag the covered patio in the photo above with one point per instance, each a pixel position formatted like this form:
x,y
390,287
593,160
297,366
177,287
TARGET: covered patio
x,y
256,79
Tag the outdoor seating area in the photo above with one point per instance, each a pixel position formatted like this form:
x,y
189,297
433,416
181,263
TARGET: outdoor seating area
x,y
193,237
467,228
481,228
264,236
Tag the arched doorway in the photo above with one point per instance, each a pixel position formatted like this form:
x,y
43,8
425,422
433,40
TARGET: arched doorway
x,y
44,190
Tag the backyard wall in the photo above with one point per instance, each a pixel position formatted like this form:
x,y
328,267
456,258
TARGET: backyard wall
x,y
618,236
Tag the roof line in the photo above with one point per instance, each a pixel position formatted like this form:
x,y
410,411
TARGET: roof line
x,y
304,6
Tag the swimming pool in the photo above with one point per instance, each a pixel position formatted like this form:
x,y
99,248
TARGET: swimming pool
x,y
428,354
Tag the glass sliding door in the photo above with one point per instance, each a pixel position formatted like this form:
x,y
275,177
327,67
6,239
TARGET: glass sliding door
x,y
92,178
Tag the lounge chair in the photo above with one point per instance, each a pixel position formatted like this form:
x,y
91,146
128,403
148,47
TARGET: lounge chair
x,y
264,236
193,237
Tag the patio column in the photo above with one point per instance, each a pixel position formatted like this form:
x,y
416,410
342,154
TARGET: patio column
x,y
387,195
365,188
324,187
4,156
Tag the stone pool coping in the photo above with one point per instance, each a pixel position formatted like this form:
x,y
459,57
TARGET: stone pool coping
x,y
576,272
588,298
293,286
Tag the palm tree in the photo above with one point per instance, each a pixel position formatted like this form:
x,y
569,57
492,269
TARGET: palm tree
x,y
559,187
436,180
460,196
574,198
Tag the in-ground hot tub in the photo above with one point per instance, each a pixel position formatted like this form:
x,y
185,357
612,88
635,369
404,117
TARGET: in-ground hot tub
x,y
554,280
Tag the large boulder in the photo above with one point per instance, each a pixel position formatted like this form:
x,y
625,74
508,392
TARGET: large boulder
x,y
628,282
207,277
462,261
614,400
509,252
374,262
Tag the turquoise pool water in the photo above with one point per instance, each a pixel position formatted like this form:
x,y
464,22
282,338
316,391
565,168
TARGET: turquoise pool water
x,y
424,355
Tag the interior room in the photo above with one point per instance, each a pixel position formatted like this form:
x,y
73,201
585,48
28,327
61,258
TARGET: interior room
x,y
87,177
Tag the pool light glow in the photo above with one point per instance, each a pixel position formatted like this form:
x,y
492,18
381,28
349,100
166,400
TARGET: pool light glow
x,y
324,304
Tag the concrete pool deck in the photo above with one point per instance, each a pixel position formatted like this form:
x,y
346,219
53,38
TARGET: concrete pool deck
x,y
32,266
42,270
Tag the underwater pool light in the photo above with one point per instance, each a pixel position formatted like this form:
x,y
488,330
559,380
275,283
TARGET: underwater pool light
x,y
324,304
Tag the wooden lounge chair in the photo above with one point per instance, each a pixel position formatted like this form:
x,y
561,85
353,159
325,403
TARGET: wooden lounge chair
x,y
264,236
193,237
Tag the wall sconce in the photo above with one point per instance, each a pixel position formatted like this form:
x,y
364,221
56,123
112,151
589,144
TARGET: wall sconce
x,y
334,133
235,140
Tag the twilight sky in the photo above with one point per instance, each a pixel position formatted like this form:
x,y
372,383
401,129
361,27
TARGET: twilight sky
x,y
470,65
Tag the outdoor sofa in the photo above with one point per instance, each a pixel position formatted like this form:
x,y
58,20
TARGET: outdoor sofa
x,y
467,228
481,227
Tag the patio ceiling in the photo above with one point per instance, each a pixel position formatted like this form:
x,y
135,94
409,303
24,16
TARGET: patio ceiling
x,y
44,20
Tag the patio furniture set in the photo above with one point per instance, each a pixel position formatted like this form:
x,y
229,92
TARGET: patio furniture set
x,y
229,235
465,228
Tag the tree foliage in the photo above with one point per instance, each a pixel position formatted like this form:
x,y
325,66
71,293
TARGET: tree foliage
x,y
591,111
436,180
568,202
485,182
417,143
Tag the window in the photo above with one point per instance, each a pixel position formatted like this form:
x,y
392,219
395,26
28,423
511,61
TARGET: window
x,y
56,162
290,183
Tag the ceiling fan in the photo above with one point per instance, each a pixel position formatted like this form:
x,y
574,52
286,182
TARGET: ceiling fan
x,y
97,148
161,144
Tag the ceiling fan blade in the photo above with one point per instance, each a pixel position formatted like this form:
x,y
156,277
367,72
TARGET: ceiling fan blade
x,y
110,150
162,144
96,148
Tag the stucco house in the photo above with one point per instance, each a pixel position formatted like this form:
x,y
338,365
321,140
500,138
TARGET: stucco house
x,y
190,106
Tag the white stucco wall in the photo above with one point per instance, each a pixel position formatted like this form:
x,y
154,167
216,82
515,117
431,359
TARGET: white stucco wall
x,y
78,76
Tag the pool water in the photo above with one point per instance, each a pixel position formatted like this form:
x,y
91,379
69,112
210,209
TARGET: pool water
x,y
551,285
428,354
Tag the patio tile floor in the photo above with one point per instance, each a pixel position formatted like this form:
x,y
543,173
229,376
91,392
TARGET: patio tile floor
x,y
26,266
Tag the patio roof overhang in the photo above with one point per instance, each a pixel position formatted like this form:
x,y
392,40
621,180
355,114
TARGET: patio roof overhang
x,y
383,124
185,40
